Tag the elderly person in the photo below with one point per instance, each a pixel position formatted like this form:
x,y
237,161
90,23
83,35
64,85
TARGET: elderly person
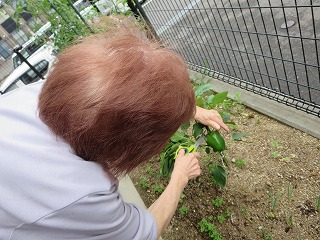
x,y
110,103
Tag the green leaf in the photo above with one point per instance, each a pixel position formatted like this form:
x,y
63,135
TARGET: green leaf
x,y
202,89
231,123
172,150
46,3
225,114
207,150
185,126
238,136
199,102
177,136
162,163
16,15
20,5
197,129
209,99
219,98
219,175
167,159
19,9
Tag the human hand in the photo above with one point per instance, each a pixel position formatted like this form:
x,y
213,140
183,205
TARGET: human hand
x,y
186,167
210,118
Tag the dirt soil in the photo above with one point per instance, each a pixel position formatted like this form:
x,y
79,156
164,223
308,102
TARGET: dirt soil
x,y
273,194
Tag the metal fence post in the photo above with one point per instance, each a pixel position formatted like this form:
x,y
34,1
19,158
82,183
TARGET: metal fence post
x,y
82,19
54,7
16,50
144,16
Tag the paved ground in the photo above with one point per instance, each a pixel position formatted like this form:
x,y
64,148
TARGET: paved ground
x,y
247,43
129,193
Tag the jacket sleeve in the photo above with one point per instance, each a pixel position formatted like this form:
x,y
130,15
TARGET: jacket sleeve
x,y
98,216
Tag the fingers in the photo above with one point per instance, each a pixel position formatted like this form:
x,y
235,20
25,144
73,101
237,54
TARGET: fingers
x,y
193,155
225,127
216,121
190,157
186,166
217,125
195,170
210,118
195,173
214,125
180,153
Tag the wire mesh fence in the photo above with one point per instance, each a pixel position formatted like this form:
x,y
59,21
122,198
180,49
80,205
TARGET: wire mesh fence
x,y
269,47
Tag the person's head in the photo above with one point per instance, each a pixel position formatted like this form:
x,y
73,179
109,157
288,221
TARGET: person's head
x,y
117,99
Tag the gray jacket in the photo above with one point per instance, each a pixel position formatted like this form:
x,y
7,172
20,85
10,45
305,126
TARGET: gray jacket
x,y
47,192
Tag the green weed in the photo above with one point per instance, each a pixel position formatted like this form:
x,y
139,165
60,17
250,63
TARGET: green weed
x,y
183,210
240,163
245,213
158,188
221,218
218,202
286,159
276,154
265,235
182,196
144,182
237,98
149,170
274,198
289,220
275,144
233,127
227,104
210,229
228,213
258,121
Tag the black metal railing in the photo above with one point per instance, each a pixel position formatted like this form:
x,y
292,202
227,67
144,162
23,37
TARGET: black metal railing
x,y
269,47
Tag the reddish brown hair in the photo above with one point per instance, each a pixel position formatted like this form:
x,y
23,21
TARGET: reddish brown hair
x,y
117,100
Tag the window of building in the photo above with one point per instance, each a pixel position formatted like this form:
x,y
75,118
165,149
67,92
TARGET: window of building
x,y
4,49
19,36
35,23
26,16
3,15
9,25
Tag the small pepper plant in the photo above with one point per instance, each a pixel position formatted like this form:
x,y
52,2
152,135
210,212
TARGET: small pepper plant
x,y
214,142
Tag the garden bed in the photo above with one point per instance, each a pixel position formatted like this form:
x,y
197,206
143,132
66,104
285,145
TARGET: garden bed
x,y
272,190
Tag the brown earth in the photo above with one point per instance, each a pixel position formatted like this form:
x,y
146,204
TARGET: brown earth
x,y
275,192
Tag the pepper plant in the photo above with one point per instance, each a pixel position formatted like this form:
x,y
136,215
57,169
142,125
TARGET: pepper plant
x,y
214,142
